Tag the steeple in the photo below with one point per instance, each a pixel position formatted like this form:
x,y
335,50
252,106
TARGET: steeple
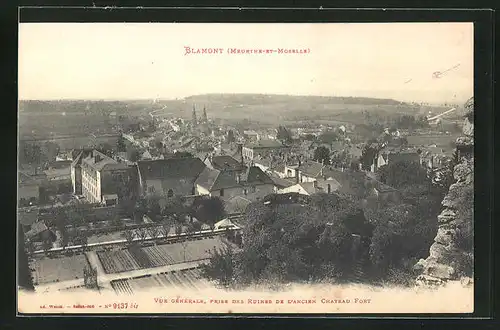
x,y
204,118
195,120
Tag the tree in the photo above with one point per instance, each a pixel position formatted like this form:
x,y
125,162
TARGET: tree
x,y
178,229
329,137
129,235
184,245
154,232
51,150
401,234
309,137
166,225
117,221
29,247
221,266
140,209
46,245
297,240
283,134
106,149
230,137
183,154
210,210
402,173
158,144
120,144
142,234
368,154
190,229
153,207
322,155
24,277
133,154
196,226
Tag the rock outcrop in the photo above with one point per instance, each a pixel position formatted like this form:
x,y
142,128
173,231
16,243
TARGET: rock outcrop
x,y
451,254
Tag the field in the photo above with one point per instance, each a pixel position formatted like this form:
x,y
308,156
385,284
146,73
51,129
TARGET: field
x,y
57,270
135,258
189,279
82,117
444,141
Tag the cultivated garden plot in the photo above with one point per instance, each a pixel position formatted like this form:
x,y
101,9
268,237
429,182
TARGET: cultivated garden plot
x,y
60,269
136,257
185,280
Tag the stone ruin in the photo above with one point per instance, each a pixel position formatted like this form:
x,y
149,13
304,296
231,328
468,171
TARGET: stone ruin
x,y
440,267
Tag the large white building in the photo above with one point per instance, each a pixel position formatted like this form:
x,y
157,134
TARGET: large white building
x,y
101,177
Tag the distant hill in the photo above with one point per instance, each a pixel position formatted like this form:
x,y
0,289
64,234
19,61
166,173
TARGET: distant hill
x,y
82,116
250,99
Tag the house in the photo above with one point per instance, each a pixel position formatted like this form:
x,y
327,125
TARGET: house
x,y
102,175
169,177
251,135
224,224
379,160
432,157
58,176
310,171
28,190
224,163
250,151
290,171
379,192
280,183
39,232
76,171
310,188
264,164
146,155
26,218
252,184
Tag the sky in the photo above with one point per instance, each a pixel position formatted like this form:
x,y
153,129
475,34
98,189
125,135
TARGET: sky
x,y
147,60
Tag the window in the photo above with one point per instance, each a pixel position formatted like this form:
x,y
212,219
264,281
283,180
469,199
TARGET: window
x,y
253,189
329,188
289,173
151,189
170,193
245,192
222,192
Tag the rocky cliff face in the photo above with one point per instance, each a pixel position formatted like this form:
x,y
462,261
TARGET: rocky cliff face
x,y
451,254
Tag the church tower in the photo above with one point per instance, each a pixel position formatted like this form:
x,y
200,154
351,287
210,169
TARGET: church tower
x,y
195,120
204,118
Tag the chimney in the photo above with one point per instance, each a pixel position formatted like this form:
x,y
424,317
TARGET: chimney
x,y
297,174
97,159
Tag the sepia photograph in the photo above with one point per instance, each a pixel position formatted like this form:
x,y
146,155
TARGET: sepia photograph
x,y
168,168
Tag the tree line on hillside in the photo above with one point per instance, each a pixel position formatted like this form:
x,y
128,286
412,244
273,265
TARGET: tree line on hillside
x,y
323,237
379,123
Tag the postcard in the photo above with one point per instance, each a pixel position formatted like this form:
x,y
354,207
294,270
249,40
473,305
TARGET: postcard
x,y
232,168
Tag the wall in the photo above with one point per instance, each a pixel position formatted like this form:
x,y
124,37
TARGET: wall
x,y
228,193
180,186
448,258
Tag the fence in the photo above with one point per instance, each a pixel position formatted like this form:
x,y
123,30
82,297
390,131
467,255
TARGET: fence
x,y
169,239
